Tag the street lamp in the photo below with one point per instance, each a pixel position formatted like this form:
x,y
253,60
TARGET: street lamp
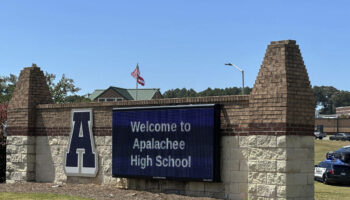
x,y
241,70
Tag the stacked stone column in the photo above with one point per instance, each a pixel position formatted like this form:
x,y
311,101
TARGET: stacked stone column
x,y
281,156
31,90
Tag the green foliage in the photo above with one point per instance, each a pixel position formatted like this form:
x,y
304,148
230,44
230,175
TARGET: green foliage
x,y
62,88
324,96
223,92
330,98
62,91
342,98
76,99
7,86
177,93
181,93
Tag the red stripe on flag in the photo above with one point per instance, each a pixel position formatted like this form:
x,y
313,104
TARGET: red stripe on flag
x,y
140,81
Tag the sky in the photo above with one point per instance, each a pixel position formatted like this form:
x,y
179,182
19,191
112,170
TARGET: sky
x,y
178,44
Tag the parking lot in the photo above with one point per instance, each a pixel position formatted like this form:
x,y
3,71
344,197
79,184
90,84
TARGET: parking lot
x,y
332,191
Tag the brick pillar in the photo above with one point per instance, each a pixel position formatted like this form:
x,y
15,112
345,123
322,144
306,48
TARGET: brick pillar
x,y
31,90
281,125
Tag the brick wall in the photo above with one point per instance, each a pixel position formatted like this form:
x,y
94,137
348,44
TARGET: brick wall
x,y
53,128
332,126
266,143
343,110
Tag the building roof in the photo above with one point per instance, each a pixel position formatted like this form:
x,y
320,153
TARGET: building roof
x,y
129,94
144,94
95,94
123,92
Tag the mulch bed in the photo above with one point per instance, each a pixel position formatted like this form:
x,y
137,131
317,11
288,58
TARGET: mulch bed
x,y
91,191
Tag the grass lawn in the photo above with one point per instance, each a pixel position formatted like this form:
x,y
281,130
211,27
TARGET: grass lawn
x,y
36,196
323,146
329,192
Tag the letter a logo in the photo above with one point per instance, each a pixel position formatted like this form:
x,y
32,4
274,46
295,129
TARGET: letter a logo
x,y
81,156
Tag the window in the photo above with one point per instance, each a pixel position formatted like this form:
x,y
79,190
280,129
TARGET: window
x,y
322,164
110,99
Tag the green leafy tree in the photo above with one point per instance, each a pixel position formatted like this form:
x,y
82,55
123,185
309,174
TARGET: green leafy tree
x,y
325,96
177,93
76,99
223,92
341,98
63,91
7,86
62,88
181,93
170,93
207,92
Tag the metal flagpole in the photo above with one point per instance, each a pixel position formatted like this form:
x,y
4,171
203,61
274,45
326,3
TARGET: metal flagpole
x,y
137,85
137,78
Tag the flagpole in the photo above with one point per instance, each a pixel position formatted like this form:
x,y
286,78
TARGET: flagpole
x,y
136,75
137,86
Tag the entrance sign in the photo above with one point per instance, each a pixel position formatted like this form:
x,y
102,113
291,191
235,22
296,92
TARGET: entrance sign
x,y
81,156
166,142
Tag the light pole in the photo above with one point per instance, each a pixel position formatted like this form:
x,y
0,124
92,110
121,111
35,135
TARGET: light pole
x,y
242,71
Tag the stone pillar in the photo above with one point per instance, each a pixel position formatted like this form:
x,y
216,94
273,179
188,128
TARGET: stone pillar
x,y
281,126
31,90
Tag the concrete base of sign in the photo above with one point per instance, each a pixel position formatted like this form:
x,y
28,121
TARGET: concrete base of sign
x,y
50,160
259,165
50,152
278,162
20,157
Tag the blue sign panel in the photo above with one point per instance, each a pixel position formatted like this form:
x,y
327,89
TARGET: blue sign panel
x,y
166,142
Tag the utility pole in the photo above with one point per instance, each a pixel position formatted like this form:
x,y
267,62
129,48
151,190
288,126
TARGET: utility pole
x,y
242,71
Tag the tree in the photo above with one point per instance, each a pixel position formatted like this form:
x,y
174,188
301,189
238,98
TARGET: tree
x,y
7,86
177,93
181,93
76,99
62,88
325,96
172,93
64,91
341,98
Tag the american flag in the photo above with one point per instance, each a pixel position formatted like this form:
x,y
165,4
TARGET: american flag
x,y
136,75
136,72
